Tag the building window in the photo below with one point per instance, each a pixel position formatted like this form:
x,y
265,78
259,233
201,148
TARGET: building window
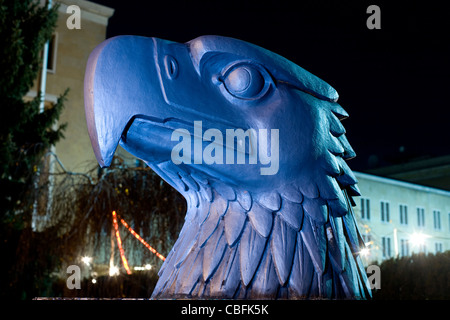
x,y
403,214
421,217
365,208
438,247
386,244
404,247
437,219
385,211
51,57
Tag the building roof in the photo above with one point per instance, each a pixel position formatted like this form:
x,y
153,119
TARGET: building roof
x,y
433,172
399,183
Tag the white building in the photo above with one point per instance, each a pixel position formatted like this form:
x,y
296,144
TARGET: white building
x,y
399,218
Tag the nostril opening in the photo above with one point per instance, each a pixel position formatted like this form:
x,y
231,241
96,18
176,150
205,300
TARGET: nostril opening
x,y
171,66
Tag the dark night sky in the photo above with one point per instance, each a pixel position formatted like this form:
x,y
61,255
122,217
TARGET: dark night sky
x,y
393,82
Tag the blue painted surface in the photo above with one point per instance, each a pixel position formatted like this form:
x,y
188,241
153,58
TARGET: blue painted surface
x,y
269,213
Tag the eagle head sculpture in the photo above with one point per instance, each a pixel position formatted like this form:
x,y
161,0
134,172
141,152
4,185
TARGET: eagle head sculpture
x,y
256,146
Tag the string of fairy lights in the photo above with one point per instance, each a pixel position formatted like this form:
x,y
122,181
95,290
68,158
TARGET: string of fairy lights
x,y
137,236
119,243
142,240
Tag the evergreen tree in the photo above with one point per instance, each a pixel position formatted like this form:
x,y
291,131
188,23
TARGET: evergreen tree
x,y
25,133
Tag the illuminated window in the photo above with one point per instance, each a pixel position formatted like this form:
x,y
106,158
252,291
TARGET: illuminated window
x,y
365,208
385,217
403,214
52,49
386,245
437,219
420,217
404,247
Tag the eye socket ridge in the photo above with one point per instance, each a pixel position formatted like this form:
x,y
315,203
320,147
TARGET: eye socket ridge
x,y
246,80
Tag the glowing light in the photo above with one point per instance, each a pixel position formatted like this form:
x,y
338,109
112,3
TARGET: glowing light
x,y
146,267
418,239
94,281
113,271
364,252
86,260
119,243
142,240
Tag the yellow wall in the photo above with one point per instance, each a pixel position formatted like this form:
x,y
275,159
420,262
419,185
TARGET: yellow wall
x,y
73,49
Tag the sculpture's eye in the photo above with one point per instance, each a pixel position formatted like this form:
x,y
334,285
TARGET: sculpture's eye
x,y
171,66
245,81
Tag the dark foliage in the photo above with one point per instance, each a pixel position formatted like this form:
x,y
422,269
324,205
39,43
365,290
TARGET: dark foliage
x,y
136,285
416,277
25,132
25,135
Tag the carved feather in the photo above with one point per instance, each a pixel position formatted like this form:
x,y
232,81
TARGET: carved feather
x,y
261,219
234,221
217,210
302,271
317,209
245,200
251,250
213,252
270,200
292,213
282,246
265,285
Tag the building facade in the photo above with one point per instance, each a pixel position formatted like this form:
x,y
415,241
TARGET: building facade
x,y
399,218
69,51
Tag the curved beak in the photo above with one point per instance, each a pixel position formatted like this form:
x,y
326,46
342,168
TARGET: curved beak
x,y
115,82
